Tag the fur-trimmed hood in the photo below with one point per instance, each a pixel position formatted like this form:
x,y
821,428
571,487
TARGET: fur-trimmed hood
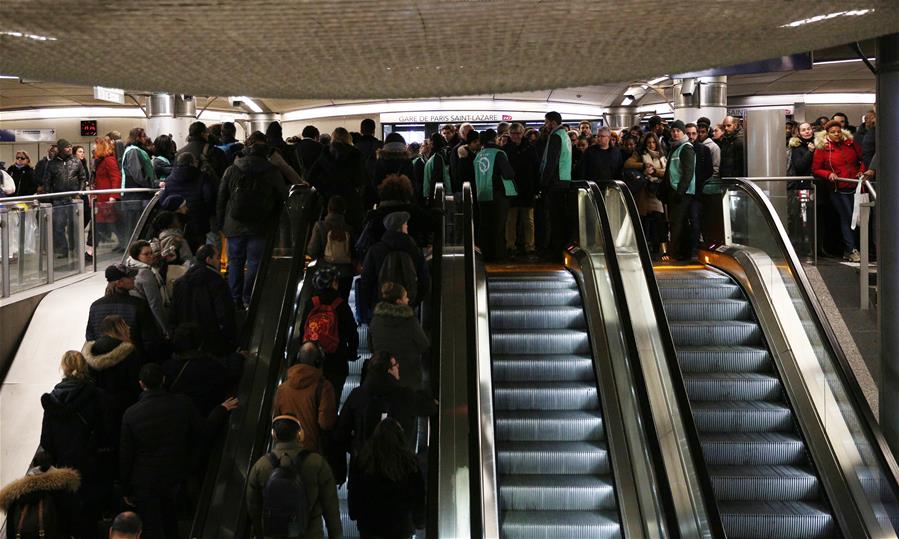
x,y
102,361
821,138
393,310
393,150
463,151
796,142
54,479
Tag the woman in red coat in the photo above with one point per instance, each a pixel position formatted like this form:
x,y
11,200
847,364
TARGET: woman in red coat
x,y
838,156
108,176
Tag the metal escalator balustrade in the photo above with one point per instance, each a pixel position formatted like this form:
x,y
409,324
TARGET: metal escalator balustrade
x,y
553,468
764,479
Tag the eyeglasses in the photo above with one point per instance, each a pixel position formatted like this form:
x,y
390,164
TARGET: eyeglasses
x,y
22,157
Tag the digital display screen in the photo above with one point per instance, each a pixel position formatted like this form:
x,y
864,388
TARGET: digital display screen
x,y
88,128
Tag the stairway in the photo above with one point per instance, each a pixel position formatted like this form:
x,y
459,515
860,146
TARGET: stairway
x,y
764,479
553,468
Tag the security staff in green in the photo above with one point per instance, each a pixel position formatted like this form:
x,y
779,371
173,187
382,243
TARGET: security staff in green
x,y
437,169
681,176
555,180
495,181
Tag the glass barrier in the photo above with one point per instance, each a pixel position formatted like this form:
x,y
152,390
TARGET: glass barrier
x,y
114,222
845,416
66,237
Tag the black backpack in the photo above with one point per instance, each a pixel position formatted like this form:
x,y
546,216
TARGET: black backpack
x,y
39,519
249,197
398,267
285,506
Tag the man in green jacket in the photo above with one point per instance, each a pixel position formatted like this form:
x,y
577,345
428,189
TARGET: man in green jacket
x,y
321,492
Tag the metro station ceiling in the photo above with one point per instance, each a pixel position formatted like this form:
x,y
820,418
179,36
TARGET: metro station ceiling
x,y
323,50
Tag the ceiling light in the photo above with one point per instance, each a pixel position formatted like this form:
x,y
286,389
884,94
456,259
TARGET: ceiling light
x,y
35,37
71,112
851,60
9,77
627,101
819,18
252,105
657,80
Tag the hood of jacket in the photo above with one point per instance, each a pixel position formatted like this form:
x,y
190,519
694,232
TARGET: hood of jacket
x,y
394,150
397,240
463,151
53,480
255,161
183,173
137,264
392,310
106,352
301,376
821,138
68,396
795,142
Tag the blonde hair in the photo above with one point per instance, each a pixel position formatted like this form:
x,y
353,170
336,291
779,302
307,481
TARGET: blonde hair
x,y
73,365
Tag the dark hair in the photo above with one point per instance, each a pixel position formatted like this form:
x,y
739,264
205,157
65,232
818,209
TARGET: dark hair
x,y
337,204
310,131
185,159
341,135
151,375
386,454
380,362
644,146
396,187
135,135
822,120
703,121
229,129
437,142
136,247
285,429
164,220
127,523
843,114
487,136
392,292
367,126
691,124
256,137
164,146
109,323
204,252
554,116
187,338
196,129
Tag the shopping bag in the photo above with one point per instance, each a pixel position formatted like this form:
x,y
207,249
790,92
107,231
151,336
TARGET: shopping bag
x,y
857,201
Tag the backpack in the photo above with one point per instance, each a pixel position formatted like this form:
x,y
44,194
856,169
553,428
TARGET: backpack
x,y
36,519
249,198
322,325
398,267
285,506
337,246
364,241
377,410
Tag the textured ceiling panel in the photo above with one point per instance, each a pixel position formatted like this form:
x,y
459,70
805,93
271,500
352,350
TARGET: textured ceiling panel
x,y
339,49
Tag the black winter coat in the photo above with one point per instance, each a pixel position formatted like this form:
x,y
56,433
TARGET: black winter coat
x,y
135,312
385,508
422,222
202,297
800,162
77,426
114,366
391,163
369,287
216,157
599,164
462,167
704,167
733,163
869,145
25,180
161,434
526,163
65,175
256,164
368,146
308,151
199,193
336,363
340,171
205,380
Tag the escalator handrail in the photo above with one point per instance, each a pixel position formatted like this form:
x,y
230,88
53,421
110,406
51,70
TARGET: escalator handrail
x,y
707,492
475,500
201,513
843,369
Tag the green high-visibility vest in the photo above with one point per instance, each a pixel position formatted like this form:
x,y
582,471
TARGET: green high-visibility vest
x,y
483,175
674,166
427,188
564,155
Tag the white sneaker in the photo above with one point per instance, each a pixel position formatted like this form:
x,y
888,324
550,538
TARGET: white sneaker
x,y
853,256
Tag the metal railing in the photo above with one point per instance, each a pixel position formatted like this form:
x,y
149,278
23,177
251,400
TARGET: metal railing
x,y
863,224
35,229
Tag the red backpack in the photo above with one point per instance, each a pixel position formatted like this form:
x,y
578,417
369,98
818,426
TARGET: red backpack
x,y
322,326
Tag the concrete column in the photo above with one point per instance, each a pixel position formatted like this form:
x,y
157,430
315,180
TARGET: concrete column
x,y
706,96
259,121
887,211
171,115
766,153
619,118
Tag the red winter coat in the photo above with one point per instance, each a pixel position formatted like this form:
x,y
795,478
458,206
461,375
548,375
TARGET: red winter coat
x,y
108,176
844,158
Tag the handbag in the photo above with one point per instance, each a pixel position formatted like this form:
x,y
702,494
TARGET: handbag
x,y
857,200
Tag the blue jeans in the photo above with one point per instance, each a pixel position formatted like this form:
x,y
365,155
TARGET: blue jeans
x,y
842,202
243,251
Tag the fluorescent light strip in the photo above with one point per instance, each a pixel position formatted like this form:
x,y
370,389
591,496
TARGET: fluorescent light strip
x,y
657,108
71,112
788,100
222,116
657,80
361,109
248,101
13,77
627,101
849,61
819,18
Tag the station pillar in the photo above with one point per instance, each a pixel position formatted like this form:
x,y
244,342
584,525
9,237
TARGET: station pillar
x,y
766,153
171,115
618,118
887,215
700,96
259,121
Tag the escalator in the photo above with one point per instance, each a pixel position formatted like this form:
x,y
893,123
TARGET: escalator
x,y
765,481
553,468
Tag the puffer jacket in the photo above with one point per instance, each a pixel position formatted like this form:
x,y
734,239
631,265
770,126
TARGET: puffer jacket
x,y
114,366
308,396
800,162
843,158
150,285
65,175
393,158
733,161
254,163
395,329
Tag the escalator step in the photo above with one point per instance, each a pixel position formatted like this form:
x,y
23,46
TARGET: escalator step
x,y
764,483
560,281
679,310
356,366
733,387
723,291
549,425
536,298
556,493
561,525
545,396
349,526
777,520
552,458
700,275
701,359
556,317
555,341
716,333
556,368
351,383
756,449
711,417
362,330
